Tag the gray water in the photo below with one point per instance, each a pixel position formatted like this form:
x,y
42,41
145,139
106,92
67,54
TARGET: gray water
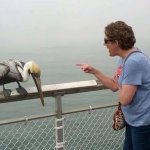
x,y
59,34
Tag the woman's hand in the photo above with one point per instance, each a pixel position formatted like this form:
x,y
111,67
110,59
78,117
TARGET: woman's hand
x,y
87,68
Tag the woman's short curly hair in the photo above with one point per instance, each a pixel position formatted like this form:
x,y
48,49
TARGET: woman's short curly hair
x,y
122,33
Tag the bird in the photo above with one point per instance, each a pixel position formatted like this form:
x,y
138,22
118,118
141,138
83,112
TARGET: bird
x,y
14,70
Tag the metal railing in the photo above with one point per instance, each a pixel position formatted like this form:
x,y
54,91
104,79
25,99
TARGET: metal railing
x,y
82,129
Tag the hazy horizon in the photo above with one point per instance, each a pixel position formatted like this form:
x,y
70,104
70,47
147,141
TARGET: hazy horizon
x,y
35,24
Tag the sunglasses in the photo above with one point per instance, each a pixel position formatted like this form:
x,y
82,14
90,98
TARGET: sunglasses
x,y
107,40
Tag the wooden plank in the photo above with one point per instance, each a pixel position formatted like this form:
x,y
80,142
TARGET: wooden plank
x,y
54,89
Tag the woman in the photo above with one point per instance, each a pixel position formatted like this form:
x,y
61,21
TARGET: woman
x,y
132,79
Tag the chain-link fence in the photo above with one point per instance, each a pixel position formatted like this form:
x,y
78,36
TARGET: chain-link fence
x,y
87,130
28,135
92,131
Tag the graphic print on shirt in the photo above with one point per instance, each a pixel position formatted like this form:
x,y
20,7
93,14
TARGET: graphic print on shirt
x,y
118,73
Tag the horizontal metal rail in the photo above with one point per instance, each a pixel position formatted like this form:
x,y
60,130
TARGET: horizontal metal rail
x,y
53,90
34,117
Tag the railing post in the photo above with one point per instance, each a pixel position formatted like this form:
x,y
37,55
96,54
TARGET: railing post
x,y
59,123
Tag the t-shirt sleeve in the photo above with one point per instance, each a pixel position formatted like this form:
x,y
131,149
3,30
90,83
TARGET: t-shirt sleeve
x,y
132,73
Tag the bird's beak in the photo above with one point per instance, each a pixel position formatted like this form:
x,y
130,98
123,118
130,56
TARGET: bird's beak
x,y
37,81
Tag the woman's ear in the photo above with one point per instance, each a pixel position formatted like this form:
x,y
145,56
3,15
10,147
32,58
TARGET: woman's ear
x,y
117,44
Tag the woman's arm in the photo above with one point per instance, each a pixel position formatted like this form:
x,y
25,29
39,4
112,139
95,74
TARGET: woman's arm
x,y
105,80
126,93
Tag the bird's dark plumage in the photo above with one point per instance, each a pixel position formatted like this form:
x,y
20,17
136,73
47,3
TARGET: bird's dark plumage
x,y
9,72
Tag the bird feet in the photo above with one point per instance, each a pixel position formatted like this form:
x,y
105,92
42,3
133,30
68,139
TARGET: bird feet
x,y
7,92
22,91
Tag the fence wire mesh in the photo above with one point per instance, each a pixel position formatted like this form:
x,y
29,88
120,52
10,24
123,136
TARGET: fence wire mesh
x,y
82,131
31,135
92,131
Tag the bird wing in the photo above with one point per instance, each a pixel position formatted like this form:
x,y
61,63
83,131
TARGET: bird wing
x,y
14,74
4,69
10,73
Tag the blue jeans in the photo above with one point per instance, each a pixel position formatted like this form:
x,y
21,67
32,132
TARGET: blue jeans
x,y
137,138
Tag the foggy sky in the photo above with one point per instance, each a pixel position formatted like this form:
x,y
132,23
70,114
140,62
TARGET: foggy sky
x,y
51,23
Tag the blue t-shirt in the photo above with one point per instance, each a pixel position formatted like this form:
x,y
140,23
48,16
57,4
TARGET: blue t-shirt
x,y
136,71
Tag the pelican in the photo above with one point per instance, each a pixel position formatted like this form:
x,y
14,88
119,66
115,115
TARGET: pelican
x,y
18,71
